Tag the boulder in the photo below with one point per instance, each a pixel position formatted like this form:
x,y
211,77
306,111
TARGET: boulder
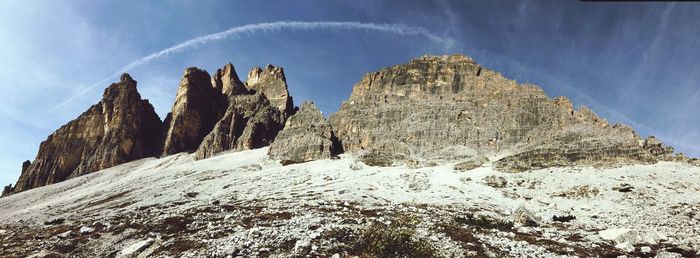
x,y
471,163
495,181
306,136
120,128
86,230
523,216
136,248
667,254
621,236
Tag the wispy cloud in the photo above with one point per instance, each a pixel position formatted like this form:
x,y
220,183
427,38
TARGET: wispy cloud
x,y
400,29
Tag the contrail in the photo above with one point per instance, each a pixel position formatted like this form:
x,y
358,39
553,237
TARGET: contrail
x,y
400,29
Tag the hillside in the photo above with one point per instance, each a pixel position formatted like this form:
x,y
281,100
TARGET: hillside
x,y
246,204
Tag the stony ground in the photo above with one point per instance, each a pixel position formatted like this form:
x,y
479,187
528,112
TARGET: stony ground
x,y
244,204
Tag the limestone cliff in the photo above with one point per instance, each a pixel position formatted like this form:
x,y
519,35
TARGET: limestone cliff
x,y
418,110
197,107
253,113
250,122
271,82
120,128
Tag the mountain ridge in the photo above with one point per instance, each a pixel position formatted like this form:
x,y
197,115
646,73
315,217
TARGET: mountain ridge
x,y
432,109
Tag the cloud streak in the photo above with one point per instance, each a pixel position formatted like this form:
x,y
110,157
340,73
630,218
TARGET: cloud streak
x,y
399,29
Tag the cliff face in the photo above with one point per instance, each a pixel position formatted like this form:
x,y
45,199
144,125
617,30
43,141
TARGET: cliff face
x,y
120,128
433,103
271,82
250,122
306,136
255,112
449,107
197,108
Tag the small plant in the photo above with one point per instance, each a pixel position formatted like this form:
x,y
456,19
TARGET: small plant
x,y
394,240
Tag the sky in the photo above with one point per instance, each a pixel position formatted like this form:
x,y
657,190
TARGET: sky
x,y
632,63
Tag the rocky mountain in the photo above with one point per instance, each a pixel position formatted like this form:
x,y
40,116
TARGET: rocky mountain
x,y
449,107
438,157
250,122
211,114
120,128
433,109
271,82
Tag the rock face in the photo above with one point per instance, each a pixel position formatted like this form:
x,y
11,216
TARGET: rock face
x,y
249,122
306,136
255,113
196,110
433,103
272,83
419,108
226,81
120,128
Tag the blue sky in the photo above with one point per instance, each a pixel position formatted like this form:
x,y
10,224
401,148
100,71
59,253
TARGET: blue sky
x,y
630,62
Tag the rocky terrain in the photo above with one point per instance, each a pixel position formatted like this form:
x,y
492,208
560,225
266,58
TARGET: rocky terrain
x,y
244,204
438,157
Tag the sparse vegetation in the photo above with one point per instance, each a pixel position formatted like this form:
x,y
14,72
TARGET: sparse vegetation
x,y
583,191
394,240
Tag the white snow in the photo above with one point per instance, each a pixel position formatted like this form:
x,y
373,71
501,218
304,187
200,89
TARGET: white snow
x,y
86,230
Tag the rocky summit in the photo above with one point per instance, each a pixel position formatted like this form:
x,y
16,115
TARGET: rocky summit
x,y
196,109
255,111
451,108
120,128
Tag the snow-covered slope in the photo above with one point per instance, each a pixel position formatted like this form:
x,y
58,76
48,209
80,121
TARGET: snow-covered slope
x,y
245,204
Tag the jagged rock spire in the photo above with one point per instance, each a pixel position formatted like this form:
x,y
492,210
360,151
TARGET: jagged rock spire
x,y
271,82
194,113
226,80
120,128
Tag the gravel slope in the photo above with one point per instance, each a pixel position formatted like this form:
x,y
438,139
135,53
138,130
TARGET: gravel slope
x,y
244,204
